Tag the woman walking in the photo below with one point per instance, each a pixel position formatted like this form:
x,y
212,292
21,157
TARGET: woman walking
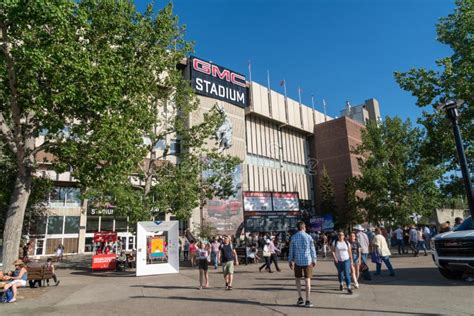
x,y
203,259
381,248
341,252
192,253
267,256
356,252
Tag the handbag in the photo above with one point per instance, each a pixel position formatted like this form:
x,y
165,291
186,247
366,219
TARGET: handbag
x,y
375,257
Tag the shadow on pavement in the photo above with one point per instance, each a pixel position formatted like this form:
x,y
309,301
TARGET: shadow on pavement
x,y
105,274
274,306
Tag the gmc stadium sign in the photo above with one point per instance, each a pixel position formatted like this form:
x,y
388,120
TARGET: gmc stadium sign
x,y
218,82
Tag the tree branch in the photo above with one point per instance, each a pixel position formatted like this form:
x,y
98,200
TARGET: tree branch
x,y
7,134
15,109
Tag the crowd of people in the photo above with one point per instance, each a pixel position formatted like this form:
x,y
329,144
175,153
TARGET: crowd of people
x,y
350,251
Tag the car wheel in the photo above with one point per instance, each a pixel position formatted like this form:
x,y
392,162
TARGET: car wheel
x,y
452,275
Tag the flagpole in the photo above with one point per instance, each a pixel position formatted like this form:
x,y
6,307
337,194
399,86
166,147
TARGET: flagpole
x,y
269,94
250,71
286,100
324,108
314,111
301,107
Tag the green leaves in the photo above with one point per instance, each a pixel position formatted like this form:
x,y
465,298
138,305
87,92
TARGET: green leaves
x,y
396,179
453,80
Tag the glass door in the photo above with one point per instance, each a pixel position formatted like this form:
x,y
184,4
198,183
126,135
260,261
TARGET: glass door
x,y
39,247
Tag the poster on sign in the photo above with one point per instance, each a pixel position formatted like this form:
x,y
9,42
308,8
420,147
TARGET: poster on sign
x,y
328,222
157,248
286,202
257,201
316,224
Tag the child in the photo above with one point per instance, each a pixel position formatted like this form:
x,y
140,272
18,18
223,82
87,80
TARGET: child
x,y
50,266
203,263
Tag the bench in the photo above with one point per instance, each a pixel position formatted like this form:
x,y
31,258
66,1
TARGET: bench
x,y
38,274
242,255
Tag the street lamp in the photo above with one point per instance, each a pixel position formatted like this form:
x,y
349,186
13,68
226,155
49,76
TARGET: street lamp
x,y
451,108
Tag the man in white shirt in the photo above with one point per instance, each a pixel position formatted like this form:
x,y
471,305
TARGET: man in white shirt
x,y
413,240
399,236
427,234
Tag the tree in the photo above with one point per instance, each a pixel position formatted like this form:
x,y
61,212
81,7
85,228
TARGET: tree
x,y
352,213
396,179
326,189
84,75
453,80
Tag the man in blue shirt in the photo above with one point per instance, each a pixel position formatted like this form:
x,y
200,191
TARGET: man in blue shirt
x,y
302,258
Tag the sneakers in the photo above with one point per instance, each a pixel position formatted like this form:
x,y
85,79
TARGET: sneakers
x,y
356,285
12,300
349,290
57,283
308,304
300,302
341,287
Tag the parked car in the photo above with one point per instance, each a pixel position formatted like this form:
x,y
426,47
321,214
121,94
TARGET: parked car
x,y
453,252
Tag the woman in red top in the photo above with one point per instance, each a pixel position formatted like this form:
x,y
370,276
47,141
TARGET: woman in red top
x,y
192,253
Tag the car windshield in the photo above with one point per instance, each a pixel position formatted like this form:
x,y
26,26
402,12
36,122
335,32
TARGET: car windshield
x,y
466,225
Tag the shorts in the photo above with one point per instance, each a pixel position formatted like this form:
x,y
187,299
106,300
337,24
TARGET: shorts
x,y
355,259
203,264
307,271
21,283
228,267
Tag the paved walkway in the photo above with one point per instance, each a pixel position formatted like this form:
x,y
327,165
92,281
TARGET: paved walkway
x,y
418,288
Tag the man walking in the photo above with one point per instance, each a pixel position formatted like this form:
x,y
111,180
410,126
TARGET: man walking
x,y
215,245
302,258
399,236
274,251
413,240
363,240
227,256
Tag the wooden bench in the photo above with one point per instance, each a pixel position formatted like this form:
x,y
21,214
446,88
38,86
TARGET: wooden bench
x,y
242,255
38,274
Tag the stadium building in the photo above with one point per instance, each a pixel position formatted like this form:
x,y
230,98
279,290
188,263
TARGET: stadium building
x,y
272,134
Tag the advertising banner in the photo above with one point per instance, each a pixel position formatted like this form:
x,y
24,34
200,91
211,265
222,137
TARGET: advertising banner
x,y
316,224
280,223
104,262
285,202
217,82
328,222
258,201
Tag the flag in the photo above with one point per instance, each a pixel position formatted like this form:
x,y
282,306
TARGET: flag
x,y
282,83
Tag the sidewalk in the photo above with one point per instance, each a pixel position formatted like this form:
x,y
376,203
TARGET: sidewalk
x,y
417,289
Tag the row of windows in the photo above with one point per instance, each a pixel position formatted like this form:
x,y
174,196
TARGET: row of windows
x,y
56,225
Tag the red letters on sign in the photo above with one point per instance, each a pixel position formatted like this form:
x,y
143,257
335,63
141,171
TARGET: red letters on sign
x,y
215,71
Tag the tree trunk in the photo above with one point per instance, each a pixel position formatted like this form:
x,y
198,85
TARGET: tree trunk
x,y
14,222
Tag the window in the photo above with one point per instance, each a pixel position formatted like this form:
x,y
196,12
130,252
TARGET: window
x,y
106,224
55,224
61,196
73,196
92,224
121,224
38,227
89,244
72,225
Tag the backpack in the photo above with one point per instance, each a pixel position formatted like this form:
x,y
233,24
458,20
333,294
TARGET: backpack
x,y
7,295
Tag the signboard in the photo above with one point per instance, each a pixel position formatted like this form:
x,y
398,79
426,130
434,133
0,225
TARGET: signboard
x,y
100,211
105,237
285,202
328,222
258,201
316,224
280,223
104,262
157,248
217,82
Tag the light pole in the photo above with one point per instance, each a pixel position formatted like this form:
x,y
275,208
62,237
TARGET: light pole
x,y
451,108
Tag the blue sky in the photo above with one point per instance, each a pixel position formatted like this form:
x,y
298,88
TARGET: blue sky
x,y
335,49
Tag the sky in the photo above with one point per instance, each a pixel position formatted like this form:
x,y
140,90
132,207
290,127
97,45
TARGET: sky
x,y
337,50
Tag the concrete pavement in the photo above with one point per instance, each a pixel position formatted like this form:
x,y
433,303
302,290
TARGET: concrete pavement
x,y
417,289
